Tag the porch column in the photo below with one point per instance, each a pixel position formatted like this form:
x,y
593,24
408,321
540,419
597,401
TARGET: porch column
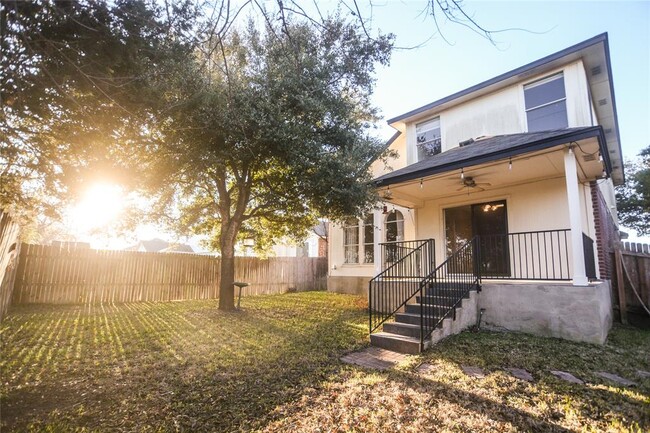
x,y
573,196
378,239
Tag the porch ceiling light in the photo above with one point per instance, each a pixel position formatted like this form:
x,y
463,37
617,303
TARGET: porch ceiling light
x,y
510,163
462,173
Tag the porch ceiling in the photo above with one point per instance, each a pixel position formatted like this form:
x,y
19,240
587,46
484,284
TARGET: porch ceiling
x,y
494,173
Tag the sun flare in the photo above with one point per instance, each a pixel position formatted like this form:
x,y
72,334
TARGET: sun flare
x,y
100,205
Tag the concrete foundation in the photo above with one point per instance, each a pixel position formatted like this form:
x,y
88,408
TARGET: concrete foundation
x,y
578,313
561,310
466,317
349,285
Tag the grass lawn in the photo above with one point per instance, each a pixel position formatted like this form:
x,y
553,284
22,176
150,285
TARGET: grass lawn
x,y
185,366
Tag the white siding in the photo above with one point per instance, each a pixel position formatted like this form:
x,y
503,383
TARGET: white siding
x,y
503,112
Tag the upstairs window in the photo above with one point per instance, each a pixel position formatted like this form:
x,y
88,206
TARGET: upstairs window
x,y
358,240
429,142
546,104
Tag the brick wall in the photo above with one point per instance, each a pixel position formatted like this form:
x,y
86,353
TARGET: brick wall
x,y
322,247
606,231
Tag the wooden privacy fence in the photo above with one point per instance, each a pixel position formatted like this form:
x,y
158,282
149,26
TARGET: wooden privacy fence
x,y
632,262
59,275
9,246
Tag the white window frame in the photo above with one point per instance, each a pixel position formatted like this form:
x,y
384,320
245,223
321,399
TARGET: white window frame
x,y
362,245
541,82
434,144
399,225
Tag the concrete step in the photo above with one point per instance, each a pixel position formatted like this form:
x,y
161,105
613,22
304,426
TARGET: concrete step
x,y
443,293
434,291
412,319
397,343
406,329
415,308
435,299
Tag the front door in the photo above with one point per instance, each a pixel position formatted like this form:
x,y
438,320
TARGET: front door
x,y
489,222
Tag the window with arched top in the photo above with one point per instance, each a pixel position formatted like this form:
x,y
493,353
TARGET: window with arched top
x,y
359,239
394,226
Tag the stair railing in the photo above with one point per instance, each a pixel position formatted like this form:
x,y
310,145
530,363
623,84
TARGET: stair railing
x,y
444,288
391,289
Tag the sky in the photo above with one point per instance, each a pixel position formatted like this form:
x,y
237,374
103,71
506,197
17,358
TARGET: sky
x,y
417,77
441,67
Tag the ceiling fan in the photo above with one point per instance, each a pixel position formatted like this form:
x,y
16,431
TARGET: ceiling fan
x,y
469,182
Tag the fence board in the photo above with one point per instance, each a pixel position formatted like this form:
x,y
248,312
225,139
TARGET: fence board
x,y
69,275
9,251
636,258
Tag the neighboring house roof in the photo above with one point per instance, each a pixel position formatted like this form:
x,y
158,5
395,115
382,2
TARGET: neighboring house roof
x,y
160,246
491,149
593,52
321,229
178,248
71,245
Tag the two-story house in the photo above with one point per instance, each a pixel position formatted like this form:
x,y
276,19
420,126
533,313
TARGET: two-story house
x,y
500,206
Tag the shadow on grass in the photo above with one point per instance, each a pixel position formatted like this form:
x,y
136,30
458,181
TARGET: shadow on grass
x,y
171,366
186,366
499,411
626,351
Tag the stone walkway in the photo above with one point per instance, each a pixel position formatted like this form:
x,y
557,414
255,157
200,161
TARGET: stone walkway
x,y
567,377
520,373
616,378
382,359
476,372
374,357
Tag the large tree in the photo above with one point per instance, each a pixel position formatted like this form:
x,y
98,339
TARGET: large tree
x,y
268,135
259,130
249,119
633,198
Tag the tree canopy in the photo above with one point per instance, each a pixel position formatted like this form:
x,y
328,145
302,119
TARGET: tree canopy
x,y
71,83
256,132
234,119
633,198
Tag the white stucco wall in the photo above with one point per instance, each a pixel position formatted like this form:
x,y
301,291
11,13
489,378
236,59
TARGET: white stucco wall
x,y
503,112
399,146
609,194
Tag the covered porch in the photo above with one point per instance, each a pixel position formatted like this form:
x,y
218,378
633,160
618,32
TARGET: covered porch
x,y
525,197
507,228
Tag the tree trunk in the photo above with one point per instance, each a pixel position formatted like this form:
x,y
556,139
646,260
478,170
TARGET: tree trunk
x,y
226,287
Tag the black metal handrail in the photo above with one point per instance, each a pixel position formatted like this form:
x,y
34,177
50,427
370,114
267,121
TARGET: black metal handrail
x,y
536,255
398,282
445,288
393,253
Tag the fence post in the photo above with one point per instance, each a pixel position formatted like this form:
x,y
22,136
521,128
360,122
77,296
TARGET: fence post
x,y
620,283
